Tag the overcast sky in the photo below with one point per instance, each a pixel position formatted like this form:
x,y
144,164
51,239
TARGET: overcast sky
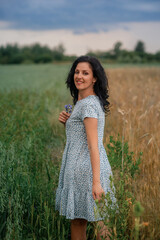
x,y
81,25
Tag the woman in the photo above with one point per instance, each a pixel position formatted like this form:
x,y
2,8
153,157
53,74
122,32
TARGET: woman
x,y
85,170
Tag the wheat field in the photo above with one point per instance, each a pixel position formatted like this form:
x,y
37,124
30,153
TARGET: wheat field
x,y
135,115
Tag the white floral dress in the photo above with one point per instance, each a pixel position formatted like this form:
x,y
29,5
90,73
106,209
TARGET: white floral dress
x,y
74,193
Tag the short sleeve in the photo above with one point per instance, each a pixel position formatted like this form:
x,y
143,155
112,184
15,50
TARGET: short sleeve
x,y
89,110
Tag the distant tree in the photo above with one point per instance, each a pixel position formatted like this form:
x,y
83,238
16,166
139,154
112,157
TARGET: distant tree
x,y
3,57
60,48
117,50
124,56
150,57
28,56
157,56
117,47
140,47
110,55
41,54
10,54
91,53
58,52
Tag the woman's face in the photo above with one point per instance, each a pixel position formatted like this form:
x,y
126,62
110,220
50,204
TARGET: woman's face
x,y
83,77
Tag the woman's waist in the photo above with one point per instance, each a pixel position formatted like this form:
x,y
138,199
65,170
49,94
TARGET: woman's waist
x,y
79,141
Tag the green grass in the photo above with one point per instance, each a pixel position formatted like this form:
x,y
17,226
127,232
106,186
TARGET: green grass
x,y
29,163
31,143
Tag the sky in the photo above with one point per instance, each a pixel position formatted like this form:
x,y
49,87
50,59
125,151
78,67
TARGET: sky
x,y
81,25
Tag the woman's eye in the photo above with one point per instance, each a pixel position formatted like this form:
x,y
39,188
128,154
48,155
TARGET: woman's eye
x,y
84,73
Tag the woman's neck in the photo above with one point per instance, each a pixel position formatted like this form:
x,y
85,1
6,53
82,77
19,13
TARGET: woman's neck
x,y
85,94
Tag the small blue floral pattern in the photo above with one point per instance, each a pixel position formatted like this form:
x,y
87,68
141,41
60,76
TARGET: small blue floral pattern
x,y
74,193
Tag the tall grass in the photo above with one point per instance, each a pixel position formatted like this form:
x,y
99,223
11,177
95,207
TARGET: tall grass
x,y
30,151
135,114
28,168
32,143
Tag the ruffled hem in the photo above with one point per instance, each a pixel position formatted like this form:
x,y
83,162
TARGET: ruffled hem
x,y
74,205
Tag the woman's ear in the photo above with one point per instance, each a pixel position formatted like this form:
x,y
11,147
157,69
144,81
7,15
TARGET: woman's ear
x,y
94,80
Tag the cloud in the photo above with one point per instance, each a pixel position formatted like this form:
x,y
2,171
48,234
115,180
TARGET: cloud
x,y
80,16
5,25
126,32
143,7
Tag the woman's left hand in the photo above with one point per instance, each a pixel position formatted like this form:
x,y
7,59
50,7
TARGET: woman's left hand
x,y
97,191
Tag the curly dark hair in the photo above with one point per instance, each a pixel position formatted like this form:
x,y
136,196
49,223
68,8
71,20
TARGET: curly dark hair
x,y
100,86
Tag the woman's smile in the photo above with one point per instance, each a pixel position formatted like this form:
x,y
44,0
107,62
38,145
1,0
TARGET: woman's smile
x,y
79,82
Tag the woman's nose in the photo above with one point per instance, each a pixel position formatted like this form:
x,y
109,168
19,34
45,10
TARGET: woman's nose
x,y
79,75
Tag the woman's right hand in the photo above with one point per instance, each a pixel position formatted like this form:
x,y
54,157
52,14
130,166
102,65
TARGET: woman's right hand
x,y
63,117
97,191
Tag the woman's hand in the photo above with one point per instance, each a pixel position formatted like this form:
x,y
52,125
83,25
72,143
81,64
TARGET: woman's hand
x,y
63,117
97,191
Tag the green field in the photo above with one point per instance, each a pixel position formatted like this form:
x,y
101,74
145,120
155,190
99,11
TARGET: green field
x,y
31,146
33,77
44,77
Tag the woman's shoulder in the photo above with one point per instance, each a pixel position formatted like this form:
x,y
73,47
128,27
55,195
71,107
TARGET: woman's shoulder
x,y
90,105
91,100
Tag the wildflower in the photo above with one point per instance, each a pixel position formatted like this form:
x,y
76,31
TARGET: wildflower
x,y
68,108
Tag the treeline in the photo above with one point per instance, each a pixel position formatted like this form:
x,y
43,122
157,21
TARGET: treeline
x,y
119,55
13,54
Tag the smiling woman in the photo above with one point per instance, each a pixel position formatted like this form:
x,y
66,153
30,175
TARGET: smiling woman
x,y
85,171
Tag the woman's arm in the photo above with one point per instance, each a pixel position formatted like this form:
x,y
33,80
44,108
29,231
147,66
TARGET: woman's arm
x,y
92,139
